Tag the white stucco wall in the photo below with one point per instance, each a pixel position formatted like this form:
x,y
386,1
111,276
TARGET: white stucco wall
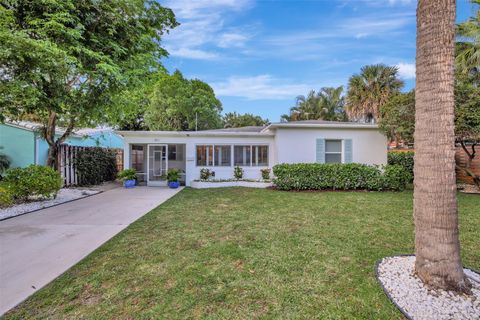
x,y
192,170
299,145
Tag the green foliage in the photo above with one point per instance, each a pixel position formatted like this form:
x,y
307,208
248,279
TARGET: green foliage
x,y
6,196
328,104
467,60
127,174
95,165
173,175
180,104
398,117
396,177
403,159
238,172
236,120
371,89
337,176
265,174
205,174
33,181
4,163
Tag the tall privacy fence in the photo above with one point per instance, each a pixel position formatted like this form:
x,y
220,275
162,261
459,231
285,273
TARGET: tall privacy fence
x,y
81,166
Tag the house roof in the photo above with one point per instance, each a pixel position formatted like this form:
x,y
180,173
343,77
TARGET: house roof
x,y
35,126
321,124
241,129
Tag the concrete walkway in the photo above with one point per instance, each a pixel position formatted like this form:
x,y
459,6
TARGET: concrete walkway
x,y
37,247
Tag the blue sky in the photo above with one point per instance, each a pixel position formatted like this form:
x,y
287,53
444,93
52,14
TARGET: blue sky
x,y
259,55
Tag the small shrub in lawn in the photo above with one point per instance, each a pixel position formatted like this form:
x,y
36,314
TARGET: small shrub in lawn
x,y
404,159
95,165
205,174
6,196
238,173
337,176
265,174
34,180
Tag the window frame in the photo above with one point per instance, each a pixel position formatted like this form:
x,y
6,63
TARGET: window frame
x,y
341,153
232,154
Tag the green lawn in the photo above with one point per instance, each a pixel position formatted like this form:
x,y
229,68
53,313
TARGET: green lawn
x,y
245,253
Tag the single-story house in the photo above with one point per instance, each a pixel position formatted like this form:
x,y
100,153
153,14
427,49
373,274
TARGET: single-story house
x,y
153,153
22,143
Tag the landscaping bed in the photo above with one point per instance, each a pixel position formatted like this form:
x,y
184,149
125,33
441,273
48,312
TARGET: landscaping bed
x,y
64,195
239,253
204,184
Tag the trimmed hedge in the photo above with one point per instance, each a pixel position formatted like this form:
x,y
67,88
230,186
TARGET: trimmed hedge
x,y
95,165
404,159
337,176
34,180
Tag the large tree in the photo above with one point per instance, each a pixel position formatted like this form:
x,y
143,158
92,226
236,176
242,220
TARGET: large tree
x,y
62,60
437,246
236,120
182,104
369,90
326,104
397,119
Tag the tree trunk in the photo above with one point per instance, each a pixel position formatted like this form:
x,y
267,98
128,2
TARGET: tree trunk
x,y
54,144
437,246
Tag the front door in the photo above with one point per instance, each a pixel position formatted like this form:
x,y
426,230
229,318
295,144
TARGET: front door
x,y
157,164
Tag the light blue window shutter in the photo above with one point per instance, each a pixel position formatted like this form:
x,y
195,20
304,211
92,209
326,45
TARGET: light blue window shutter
x,y
320,151
348,150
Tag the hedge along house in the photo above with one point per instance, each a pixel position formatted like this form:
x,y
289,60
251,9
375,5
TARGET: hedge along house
x,y
23,144
153,153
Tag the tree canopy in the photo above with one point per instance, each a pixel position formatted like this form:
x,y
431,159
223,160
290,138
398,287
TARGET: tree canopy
x,y
397,119
370,89
236,120
326,104
62,60
181,104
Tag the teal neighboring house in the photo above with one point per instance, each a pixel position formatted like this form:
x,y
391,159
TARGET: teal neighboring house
x,y
22,142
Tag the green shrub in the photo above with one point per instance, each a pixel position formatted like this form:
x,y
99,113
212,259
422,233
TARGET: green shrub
x,y
39,181
95,165
127,174
395,177
4,163
265,174
336,176
173,175
238,173
404,159
6,196
205,174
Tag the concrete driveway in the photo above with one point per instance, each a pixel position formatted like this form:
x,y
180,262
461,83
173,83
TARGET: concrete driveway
x,y
37,247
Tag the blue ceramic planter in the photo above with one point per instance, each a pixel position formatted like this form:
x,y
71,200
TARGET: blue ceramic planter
x,y
174,184
129,184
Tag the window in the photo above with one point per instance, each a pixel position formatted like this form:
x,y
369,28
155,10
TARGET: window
x,y
333,151
175,152
204,155
137,158
247,156
223,156
260,156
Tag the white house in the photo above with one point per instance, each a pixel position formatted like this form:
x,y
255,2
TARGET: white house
x,y
152,153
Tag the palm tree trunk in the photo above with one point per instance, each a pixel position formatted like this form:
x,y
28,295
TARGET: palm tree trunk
x,y
437,246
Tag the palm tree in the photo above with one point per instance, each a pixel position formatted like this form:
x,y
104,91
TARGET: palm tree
x,y
437,246
370,89
327,104
467,60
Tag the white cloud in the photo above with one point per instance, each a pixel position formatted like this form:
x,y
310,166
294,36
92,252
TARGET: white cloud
x,y
202,28
406,70
260,87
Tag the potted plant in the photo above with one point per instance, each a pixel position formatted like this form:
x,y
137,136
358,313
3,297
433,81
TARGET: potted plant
x,y
129,177
172,178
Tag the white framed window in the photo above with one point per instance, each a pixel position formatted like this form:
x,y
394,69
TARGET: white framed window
x,y
214,155
333,151
250,155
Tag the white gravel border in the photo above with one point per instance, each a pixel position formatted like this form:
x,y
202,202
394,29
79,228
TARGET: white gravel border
x,y
415,301
64,195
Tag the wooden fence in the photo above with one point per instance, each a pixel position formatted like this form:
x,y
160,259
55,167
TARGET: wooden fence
x,y
66,163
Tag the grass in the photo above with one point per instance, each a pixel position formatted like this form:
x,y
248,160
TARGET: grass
x,y
242,253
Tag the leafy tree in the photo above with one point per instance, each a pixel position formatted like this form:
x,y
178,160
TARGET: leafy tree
x,y
62,60
236,120
397,119
327,104
371,89
181,104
